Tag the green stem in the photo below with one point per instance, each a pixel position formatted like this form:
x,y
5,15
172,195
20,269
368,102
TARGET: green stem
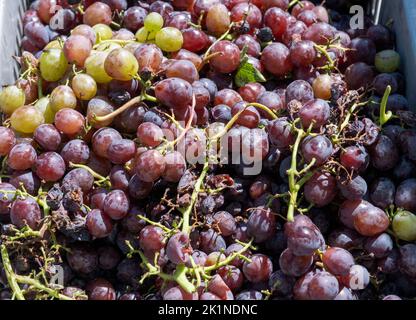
x,y
182,280
188,210
97,176
41,287
385,116
119,111
14,286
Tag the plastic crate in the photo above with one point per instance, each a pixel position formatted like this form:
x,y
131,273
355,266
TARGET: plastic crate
x,y
401,12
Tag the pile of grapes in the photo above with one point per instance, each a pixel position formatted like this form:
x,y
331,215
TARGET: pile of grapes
x,y
206,150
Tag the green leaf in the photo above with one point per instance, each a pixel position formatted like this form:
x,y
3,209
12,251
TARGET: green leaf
x,y
247,73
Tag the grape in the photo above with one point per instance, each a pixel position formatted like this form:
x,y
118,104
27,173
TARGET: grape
x,y
251,91
404,225
392,297
338,261
99,224
149,57
152,238
232,277
249,295
63,97
225,223
259,269
345,238
53,65
108,258
119,178
300,289
22,157
77,49
134,18
100,290
405,195
86,31
174,93
79,177
382,192
69,121
182,69
249,116
11,99
177,293
315,113
276,59
379,246
271,100
228,58
37,33
318,147
97,13
175,167
352,188
26,119
94,66
320,33
355,158
302,53
116,205
169,39
25,212
194,40
322,86
293,32
75,151
249,13
228,97
7,194
323,286
304,240
50,167
359,75
362,50
294,266
150,166
99,106
153,21
121,151
211,241
276,20
302,91
139,189
48,137
261,225
84,87
408,259
102,140
320,189
121,64
384,154
371,222
214,258
27,179
387,61
280,133
178,248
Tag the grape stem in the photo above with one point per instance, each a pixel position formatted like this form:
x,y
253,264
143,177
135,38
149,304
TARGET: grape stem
x,y
14,280
385,116
222,37
125,107
100,179
293,173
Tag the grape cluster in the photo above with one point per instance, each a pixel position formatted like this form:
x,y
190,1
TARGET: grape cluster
x,y
206,150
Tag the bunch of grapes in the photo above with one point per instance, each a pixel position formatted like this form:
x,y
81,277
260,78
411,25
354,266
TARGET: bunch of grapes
x,y
206,150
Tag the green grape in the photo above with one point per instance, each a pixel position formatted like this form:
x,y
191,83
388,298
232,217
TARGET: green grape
x,y
404,225
26,119
387,61
11,99
103,32
53,65
169,39
121,65
143,35
55,44
44,107
108,46
94,66
153,22
63,97
84,86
